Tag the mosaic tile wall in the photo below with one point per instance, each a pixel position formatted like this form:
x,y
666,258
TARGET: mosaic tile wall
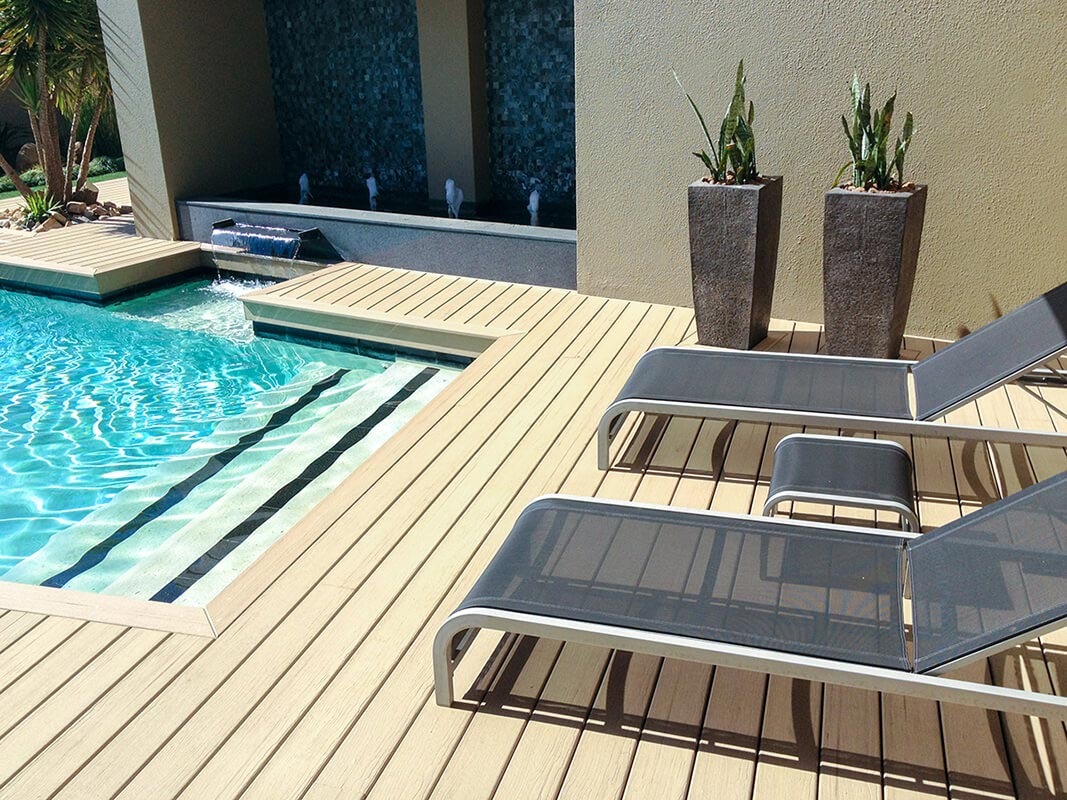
x,y
348,92
530,66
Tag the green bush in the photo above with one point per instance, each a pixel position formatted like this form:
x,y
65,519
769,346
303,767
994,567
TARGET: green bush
x,y
39,207
33,177
103,165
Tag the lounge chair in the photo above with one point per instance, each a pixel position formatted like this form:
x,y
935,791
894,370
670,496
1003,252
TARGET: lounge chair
x,y
804,600
852,393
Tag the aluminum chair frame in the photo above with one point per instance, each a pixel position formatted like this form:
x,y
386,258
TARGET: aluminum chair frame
x,y
909,520
613,417
457,632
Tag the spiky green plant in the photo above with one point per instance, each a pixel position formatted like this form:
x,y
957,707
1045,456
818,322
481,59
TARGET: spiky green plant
x,y
868,142
734,159
39,207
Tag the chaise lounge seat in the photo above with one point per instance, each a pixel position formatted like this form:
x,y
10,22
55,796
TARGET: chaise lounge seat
x,y
800,599
851,393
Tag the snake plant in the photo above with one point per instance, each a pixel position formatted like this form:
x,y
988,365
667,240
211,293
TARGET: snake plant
x,y
733,158
868,142
38,207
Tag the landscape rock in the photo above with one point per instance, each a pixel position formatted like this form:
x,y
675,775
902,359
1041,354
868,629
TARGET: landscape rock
x,y
99,210
76,207
27,157
88,194
49,224
125,209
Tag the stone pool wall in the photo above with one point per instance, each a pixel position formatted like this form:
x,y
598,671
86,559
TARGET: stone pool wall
x,y
348,92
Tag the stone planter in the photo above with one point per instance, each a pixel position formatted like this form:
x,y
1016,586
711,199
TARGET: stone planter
x,y
733,244
870,250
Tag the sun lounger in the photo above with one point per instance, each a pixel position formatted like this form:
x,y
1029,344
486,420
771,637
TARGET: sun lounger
x,y
804,600
849,393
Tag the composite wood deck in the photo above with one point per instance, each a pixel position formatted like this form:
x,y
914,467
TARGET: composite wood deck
x,y
92,260
319,683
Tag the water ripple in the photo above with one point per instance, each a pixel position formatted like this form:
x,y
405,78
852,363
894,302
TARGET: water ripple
x,y
91,398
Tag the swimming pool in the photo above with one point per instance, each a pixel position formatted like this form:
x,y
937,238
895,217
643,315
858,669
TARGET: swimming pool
x,y
154,448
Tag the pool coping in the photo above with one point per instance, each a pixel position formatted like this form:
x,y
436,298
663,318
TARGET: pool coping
x,y
109,609
119,263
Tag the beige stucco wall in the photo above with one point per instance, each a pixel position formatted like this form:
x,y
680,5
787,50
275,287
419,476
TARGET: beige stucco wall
x,y
452,61
984,79
193,99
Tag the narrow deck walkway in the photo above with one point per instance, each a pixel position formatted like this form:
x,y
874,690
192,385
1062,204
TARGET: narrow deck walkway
x,y
442,313
116,190
319,684
92,260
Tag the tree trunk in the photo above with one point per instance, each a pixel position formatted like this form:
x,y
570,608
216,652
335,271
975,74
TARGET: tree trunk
x,y
48,146
79,99
87,148
20,185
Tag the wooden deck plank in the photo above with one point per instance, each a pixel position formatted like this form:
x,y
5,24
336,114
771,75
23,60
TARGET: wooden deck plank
x,y
367,735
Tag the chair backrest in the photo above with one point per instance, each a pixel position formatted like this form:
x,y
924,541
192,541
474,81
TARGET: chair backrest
x,y
994,575
993,354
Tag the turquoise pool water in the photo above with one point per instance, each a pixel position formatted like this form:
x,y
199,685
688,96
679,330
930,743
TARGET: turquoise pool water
x,y
94,399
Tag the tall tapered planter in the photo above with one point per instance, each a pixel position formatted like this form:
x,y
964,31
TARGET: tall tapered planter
x,y
733,244
870,251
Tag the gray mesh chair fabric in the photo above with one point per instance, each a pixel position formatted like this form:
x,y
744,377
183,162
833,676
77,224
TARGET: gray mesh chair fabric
x,y
996,574
842,466
823,592
769,380
993,354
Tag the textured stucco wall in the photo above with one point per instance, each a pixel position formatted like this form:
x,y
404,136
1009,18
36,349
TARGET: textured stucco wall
x,y
193,99
984,79
452,56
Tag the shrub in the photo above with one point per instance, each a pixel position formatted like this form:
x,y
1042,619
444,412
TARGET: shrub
x,y
868,142
103,165
734,160
39,207
33,176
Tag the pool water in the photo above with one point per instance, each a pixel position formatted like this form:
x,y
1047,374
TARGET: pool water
x,y
126,430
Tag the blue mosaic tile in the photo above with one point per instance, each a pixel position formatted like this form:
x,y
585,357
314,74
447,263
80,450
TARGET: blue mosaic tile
x,y
530,76
348,92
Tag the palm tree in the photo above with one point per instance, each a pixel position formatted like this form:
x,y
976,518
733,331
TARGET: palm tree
x,y
52,56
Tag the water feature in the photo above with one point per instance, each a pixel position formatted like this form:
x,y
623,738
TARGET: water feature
x,y
264,240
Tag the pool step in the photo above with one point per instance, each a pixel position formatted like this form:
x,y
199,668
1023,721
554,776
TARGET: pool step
x,y
193,565
179,484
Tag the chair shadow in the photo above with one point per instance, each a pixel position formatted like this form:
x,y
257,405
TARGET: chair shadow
x,y
644,454
620,710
